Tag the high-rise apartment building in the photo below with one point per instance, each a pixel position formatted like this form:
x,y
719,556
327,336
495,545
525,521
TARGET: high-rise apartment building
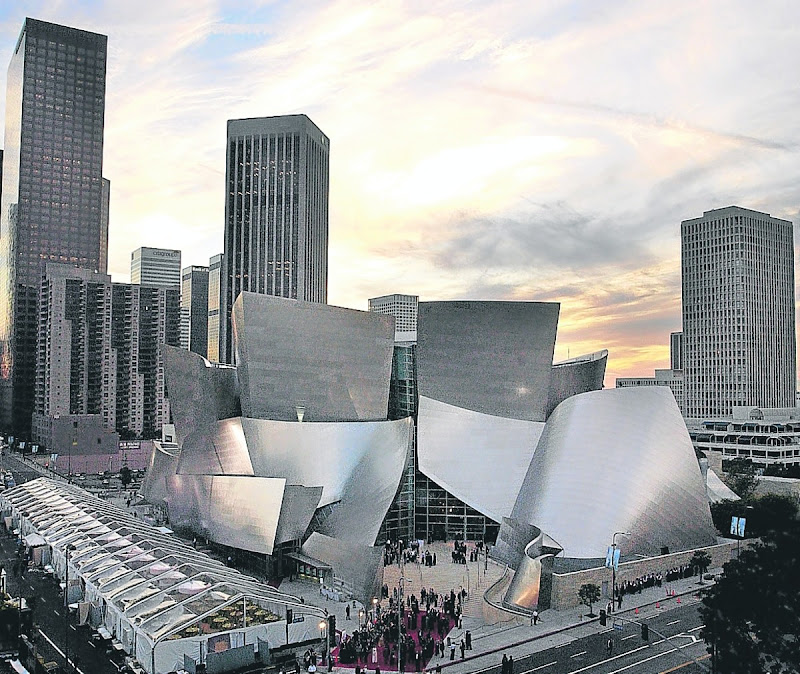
x,y
194,309
74,402
737,269
276,213
214,286
403,308
156,266
52,197
144,319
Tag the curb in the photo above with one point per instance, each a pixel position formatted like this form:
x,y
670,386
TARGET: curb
x,y
558,630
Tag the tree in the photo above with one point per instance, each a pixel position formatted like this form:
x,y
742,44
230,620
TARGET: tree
x,y
589,594
125,476
700,560
752,614
741,477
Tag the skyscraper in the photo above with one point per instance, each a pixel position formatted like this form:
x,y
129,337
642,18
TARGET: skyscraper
x,y
737,269
404,309
276,213
52,186
194,309
676,351
214,272
156,266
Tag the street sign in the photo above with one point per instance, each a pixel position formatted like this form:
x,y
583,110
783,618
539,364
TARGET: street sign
x,y
734,525
616,559
609,557
742,522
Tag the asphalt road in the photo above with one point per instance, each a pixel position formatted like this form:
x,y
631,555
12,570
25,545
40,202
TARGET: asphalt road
x,y
629,653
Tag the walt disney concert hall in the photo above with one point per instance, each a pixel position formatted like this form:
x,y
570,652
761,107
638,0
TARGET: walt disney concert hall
x,y
292,453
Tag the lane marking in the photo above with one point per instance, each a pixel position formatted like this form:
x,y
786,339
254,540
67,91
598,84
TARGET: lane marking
x,y
685,664
652,657
674,622
536,669
72,627
57,613
631,636
49,641
575,655
694,629
44,601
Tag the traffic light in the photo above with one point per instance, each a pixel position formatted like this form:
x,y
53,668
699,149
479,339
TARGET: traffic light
x,y
645,632
289,616
603,617
332,630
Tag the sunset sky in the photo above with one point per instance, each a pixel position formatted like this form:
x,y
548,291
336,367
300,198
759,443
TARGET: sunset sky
x,y
531,150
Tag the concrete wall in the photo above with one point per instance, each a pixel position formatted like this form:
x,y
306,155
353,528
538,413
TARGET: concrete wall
x,y
566,585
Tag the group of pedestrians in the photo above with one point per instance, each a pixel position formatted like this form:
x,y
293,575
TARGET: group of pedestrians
x,y
507,664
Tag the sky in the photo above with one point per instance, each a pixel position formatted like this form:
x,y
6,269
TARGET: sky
x,y
533,150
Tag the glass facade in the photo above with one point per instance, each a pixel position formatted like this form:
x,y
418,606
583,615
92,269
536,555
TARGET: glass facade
x,y
194,309
214,270
276,213
421,508
52,198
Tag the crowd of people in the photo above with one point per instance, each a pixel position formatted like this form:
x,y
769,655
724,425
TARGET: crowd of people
x,y
653,580
427,619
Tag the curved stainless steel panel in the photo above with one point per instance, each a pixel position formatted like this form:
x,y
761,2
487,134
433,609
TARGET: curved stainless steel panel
x,y
358,465
617,460
200,392
577,375
241,512
297,510
223,451
479,458
163,463
531,578
335,362
359,566
489,357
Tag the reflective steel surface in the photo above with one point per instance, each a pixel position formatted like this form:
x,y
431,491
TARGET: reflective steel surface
x,y
480,458
617,460
334,362
489,357
577,375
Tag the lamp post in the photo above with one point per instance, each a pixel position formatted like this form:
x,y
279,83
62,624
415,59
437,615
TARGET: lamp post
x,y
614,566
323,624
69,548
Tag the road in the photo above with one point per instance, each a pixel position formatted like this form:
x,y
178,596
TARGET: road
x,y
629,654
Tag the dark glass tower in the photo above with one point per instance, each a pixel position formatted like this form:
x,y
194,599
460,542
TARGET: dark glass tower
x,y
52,199
276,213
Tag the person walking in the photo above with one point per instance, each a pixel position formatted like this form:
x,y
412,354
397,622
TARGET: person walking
x,y
510,664
504,665
609,646
535,616
469,640
347,612
463,648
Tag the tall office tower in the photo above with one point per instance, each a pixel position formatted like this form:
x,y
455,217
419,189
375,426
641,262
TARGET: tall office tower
x,y
52,187
144,318
737,269
404,310
214,285
194,309
105,203
675,350
276,213
156,266
76,367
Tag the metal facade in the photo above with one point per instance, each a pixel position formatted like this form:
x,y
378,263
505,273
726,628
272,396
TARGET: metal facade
x,y
333,362
577,375
479,458
490,357
617,460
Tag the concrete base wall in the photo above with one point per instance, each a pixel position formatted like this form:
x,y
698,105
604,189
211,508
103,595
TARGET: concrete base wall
x,y
566,585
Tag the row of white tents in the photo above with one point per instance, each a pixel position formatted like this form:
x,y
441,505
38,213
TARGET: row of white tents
x,y
157,596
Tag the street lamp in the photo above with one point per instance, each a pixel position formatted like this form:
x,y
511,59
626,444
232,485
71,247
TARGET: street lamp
x,y
69,548
322,625
614,566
